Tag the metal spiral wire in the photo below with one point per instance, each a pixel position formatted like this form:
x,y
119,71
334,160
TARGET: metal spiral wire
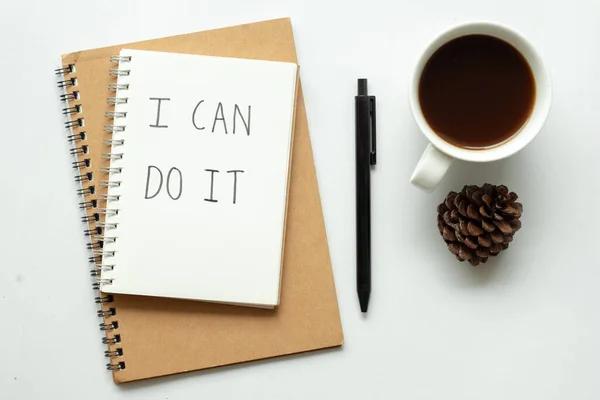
x,y
112,340
84,176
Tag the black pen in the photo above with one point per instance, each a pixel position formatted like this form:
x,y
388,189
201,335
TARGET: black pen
x,y
365,159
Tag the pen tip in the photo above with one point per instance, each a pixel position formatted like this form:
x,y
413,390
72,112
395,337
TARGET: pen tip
x,y
362,86
363,299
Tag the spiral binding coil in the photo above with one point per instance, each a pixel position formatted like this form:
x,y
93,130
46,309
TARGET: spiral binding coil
x,y
93,214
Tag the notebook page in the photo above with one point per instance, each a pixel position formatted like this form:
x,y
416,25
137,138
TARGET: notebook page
x,y
201,173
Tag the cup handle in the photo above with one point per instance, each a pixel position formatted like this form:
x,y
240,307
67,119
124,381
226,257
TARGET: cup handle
x,y
431,169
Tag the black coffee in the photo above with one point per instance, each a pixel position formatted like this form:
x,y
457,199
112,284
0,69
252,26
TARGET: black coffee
x,y
476,91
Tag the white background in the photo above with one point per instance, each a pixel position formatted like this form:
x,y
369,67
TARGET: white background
x,y
525,327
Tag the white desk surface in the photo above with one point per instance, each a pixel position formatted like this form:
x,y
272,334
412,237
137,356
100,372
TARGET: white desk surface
x,y
526,327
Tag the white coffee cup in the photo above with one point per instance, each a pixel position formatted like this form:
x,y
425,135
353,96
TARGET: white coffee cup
x,y
439,154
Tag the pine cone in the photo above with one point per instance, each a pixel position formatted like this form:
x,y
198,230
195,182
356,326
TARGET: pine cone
x,y
479,222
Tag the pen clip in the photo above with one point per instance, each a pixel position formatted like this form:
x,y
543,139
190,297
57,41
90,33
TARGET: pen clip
x,y
373,154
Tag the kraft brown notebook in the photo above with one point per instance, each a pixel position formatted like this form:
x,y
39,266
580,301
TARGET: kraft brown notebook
x,y
149,336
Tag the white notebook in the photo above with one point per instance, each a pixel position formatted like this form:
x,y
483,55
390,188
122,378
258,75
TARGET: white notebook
x,y
198,178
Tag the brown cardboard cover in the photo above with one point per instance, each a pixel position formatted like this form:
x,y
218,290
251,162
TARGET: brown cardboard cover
x,y
165,336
